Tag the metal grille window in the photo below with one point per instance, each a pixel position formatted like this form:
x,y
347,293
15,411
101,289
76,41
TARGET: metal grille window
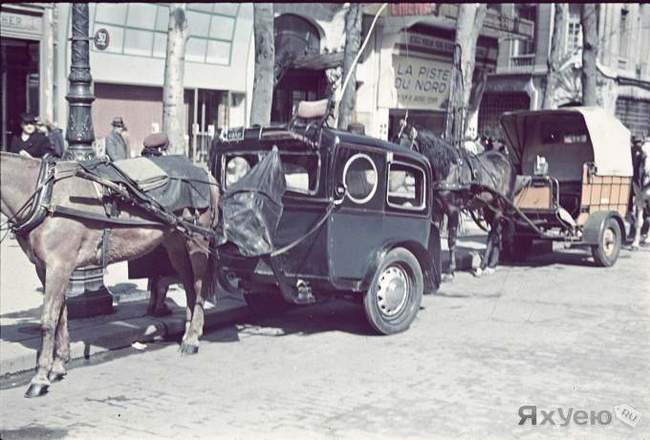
x,y
624,35
574,34
141,29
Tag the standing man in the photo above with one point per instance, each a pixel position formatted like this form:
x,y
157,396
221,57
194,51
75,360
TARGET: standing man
x,y
30,141
155,265
116,145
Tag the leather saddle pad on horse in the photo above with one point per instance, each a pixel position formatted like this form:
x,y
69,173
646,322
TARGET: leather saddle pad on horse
x,y
172,181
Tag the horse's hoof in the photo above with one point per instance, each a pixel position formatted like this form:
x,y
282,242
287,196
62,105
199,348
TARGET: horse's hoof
x,y
477,272
634,247
36,390
489,270
55,377
189,349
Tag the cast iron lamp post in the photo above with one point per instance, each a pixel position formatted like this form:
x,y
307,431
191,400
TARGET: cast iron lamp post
x,y
87,295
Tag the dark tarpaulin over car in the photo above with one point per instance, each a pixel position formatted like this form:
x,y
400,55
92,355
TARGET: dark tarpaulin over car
x,y
252,207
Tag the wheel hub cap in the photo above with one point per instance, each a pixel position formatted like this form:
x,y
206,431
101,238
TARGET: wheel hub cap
x,y
609,242
392,291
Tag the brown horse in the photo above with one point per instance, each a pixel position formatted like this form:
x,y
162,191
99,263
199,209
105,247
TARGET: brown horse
x,y
59,245
456,171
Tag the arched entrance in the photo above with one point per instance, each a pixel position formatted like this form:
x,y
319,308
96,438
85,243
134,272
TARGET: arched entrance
x,y
296,39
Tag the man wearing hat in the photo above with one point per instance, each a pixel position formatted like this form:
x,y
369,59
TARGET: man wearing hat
x,y
155,144
30,141
155,265
116,145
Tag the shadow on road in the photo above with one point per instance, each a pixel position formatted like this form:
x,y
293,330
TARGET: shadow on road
x,y
33,432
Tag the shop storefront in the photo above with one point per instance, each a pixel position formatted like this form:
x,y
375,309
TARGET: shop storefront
x,y
26,74
411,64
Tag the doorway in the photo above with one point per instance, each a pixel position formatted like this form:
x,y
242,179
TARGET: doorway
x,y
19,91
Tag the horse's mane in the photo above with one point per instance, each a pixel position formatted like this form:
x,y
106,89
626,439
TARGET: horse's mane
x,y
441,154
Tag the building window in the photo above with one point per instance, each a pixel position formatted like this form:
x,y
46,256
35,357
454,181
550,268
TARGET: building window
x,y
141,29
574,34
525,46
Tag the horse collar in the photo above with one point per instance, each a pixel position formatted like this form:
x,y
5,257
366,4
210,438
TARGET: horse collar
x,y
40,200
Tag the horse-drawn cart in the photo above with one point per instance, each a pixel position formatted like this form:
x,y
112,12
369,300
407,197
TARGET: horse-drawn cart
x,y
355,222
574,177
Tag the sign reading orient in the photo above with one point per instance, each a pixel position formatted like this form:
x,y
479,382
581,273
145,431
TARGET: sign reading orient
x,y
102,39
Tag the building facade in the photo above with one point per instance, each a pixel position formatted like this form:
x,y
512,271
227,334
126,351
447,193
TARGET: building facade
x,y
407,67
127,60
520,79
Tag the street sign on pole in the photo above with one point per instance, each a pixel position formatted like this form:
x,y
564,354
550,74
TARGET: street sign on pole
x,y
102,39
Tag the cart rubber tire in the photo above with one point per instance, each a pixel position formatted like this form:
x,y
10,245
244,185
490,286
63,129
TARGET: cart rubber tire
x,y
517,249
606,252
395,293
265,304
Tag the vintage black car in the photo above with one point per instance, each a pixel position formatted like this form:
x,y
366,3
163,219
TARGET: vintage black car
x,y
356,222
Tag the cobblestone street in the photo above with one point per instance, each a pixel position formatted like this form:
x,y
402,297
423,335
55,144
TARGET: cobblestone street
x,y
556,333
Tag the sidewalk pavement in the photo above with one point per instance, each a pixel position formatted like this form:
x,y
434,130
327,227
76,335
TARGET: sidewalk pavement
x,y
21,299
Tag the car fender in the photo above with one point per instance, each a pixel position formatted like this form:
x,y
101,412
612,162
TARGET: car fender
x,y
429,260
593,228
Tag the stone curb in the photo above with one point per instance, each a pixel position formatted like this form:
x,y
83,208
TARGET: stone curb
x,y
118,334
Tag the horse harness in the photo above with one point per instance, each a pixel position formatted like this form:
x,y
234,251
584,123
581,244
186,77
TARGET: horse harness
x,y
39,205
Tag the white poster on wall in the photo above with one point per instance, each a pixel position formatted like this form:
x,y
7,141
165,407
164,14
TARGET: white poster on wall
x,y
420,83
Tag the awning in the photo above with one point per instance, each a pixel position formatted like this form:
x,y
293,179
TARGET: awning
x,y
319,62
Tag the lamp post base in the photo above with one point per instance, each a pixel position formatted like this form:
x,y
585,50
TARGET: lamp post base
x,y
87,296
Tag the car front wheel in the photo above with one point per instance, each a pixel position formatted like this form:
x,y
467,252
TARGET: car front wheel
x,y
395,293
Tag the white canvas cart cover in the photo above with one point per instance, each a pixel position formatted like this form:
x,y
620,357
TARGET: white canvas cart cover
x,y
609,138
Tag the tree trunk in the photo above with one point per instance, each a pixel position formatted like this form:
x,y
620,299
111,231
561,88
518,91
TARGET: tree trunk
x,y
556,55
468,27
590,47
173,90
264,64
352,45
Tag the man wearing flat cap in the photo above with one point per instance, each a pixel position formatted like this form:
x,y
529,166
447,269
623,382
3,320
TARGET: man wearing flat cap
x,y
155,145
30,141
116,145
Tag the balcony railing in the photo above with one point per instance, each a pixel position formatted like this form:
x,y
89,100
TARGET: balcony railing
x,y
521,64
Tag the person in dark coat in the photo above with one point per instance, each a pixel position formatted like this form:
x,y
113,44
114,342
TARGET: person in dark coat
x,y
155,265
155,144
116,145
54,134
30,140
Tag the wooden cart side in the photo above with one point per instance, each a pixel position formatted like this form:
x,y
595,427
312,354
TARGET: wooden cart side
x,y
603,193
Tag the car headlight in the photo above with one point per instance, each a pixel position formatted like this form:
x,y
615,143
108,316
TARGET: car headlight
x,y
236,168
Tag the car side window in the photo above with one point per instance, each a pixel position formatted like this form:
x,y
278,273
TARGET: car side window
x,y
360,177
406,186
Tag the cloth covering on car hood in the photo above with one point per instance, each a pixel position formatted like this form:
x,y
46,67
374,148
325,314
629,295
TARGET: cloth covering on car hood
x,y
252,207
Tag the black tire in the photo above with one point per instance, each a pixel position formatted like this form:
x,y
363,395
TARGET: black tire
x,y
393,315
516,248
265,304
227,284
606,252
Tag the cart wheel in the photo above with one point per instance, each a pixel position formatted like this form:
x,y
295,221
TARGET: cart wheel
x,y
517,248
393,299
265,304
609,244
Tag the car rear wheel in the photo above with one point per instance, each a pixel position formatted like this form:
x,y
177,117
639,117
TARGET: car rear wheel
x,y
393,299
606,252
